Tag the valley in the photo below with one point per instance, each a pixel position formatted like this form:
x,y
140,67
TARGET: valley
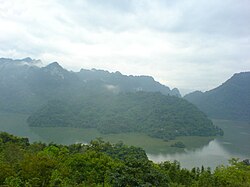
x,y
51,104
124,93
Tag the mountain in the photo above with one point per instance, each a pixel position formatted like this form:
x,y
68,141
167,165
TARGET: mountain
x,y
25,86
15,93
110,102
231,100
125,83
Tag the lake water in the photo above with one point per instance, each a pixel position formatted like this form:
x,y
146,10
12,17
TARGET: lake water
x,y
200,151
235,143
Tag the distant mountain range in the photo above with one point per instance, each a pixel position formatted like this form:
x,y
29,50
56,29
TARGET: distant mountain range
x,y
25,86
110,102
231,100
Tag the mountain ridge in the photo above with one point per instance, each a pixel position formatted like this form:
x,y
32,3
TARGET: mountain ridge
x,y
230,100
23,83
110,102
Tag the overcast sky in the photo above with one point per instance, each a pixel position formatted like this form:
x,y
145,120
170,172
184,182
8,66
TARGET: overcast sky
x,y
188,44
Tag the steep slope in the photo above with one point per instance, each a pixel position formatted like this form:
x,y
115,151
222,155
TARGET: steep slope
x,y
231,100
15,94
25,87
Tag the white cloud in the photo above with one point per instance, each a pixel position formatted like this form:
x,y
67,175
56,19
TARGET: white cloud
x,y
184,44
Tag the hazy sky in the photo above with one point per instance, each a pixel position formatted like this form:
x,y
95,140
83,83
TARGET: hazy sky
x,y
188,44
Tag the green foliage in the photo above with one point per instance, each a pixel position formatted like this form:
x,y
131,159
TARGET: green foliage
x,y
13,181
103,164
157,115
237,174
36,169
5,138
6,171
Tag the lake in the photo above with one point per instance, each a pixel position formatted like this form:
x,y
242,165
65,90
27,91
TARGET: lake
x,y
235,143
206,151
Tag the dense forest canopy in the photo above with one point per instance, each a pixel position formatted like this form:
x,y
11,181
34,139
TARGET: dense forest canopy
x,y
103,164
155,114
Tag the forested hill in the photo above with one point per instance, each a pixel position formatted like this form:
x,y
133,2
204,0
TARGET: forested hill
x,y
110,102
155,114
103,164
231,100
25,85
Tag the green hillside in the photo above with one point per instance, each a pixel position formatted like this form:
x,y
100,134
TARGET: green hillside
x,y
231,100
155,114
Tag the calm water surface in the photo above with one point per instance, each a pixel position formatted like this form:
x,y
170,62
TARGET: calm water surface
x,y
235,142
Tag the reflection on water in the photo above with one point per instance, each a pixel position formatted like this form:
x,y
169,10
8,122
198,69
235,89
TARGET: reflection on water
x,y
234,144
212,155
